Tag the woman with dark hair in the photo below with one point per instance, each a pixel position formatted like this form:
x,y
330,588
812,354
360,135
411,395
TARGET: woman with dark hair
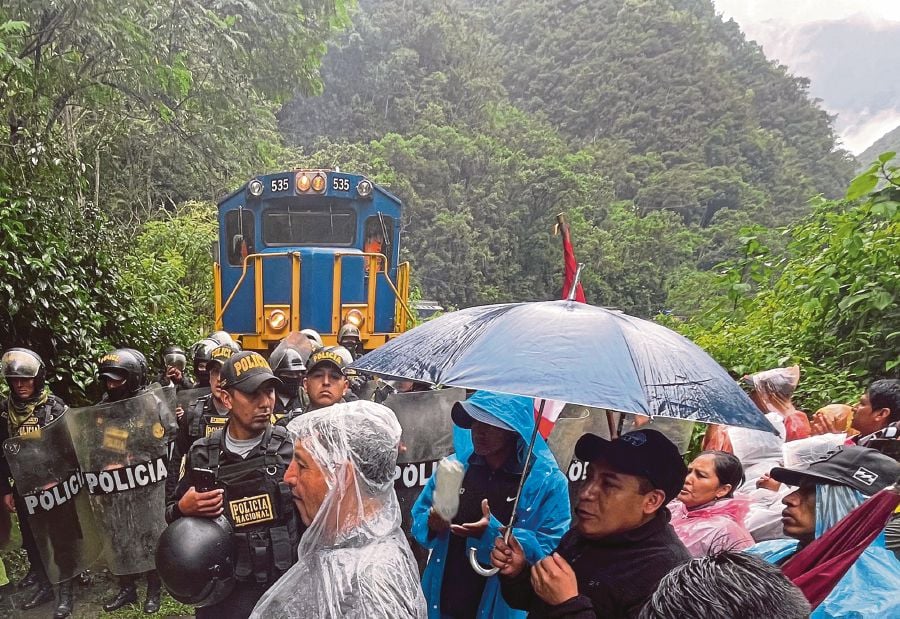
x,y
705,514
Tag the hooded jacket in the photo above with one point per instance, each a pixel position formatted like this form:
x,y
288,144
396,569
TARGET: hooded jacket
x,y
870,586
542,517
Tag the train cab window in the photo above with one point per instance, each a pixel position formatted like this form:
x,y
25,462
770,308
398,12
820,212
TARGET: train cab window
x,y
292,226
239,234
379,234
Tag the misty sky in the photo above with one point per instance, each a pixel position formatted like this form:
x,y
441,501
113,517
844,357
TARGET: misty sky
x,y
848,49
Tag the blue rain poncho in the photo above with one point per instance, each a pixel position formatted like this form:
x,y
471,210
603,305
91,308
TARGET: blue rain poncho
x,y
870,586
543,514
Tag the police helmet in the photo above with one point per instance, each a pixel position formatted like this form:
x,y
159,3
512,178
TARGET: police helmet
x,y
345,354
194,560
125,364
222,338
287,364
174,356
313,336
349,331
222,353
23,363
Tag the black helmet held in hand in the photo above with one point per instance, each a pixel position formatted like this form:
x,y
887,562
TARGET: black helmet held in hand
x,y
125,364
23,363
194,560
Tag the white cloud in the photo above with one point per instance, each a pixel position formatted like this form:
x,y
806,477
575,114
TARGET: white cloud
x,y
789,32
797,12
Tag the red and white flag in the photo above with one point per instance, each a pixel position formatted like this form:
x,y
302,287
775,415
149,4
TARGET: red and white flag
x,y
552,408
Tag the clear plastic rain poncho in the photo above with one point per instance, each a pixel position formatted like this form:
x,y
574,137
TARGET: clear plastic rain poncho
x,y
354,560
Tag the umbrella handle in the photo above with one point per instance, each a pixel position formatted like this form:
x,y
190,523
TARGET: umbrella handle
x,y
479,569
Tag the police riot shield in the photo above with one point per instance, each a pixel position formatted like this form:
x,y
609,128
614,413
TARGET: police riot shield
x,y
54,500
427,437
121,447
185,398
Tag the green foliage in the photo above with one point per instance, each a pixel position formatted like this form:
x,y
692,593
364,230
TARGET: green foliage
x,y
657,128
829,305
114,112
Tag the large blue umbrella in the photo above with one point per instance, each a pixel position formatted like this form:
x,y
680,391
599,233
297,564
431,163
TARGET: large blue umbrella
x,y
571,352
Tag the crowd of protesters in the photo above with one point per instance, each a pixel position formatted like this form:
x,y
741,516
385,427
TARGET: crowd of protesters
x,y
646,534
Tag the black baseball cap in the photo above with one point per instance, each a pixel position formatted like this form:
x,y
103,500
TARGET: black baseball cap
x,y
220,354
645,453
246,371
861,468
465,412
325,355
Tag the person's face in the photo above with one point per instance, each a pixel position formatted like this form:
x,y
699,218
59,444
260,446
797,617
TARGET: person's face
x,y
250,412
112,384
215,370
701,485
325,385
488,440
22,387
798,518
307,482
865,419
611,502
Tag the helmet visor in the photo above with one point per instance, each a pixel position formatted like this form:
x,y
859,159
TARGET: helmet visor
x,y
19,364
175,359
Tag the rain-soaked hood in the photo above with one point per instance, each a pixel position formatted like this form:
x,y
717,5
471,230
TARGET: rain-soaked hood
x,y
515,411
354,560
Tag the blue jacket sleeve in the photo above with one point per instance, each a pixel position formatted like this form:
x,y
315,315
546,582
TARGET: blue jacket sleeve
x,y
551,519
420,509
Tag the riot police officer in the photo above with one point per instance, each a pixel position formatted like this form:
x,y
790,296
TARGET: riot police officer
x,y
349,338
207,414
174,361
29,408
247,459
287,364
123,373
200,357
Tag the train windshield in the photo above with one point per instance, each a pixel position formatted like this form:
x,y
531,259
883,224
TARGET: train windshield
x,y
333,225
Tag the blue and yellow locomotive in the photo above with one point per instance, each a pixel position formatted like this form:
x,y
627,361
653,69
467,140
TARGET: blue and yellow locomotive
x,y
310,249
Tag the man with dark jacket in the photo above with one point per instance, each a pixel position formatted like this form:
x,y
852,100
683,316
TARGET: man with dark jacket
x,y
622,545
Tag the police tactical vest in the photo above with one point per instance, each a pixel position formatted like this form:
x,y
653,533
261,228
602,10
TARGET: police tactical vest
x,y
258,503
42,415
205,418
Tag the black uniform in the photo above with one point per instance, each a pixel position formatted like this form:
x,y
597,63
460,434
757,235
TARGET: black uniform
x,y
42,415
259,506
199,421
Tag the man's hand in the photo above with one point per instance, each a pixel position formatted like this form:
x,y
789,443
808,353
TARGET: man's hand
x,y
509,557
553,580
436,523
9,503
179,411
174,374
204,504
477,528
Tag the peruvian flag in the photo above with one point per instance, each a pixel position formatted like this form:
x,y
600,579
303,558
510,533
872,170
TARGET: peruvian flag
x,y
552,408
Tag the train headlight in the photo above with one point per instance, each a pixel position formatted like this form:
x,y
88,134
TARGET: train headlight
x,y
278,320
318,183
303,181
355,318
364,188
255,187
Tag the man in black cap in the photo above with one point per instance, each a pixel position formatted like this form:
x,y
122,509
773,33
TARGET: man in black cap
x,y
325,382
621,546
246,460
827,491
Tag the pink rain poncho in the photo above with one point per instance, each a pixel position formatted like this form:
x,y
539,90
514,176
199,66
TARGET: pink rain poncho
x,y
713,527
